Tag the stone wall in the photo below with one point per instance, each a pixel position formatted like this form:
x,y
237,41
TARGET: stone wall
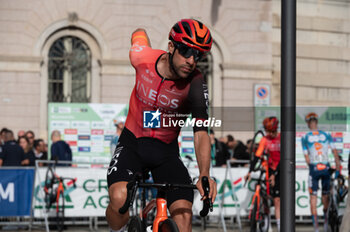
x,y
246,49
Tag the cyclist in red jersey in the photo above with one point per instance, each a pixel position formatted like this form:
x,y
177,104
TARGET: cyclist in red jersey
x,y
270,144
165,83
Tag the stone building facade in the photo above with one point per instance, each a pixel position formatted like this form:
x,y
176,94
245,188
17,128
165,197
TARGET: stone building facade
x,y
246,50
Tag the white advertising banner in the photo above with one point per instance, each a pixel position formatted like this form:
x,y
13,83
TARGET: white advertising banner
x,y
90,196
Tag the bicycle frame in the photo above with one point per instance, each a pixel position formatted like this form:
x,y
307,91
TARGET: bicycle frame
x,y
333,210
56,194
161,213
258,189
261,197
160,202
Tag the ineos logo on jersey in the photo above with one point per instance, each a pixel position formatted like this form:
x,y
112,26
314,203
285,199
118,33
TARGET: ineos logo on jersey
x,y
147,79
151,94
274,147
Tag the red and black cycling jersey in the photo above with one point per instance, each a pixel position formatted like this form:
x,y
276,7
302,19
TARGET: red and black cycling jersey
x,y
170,97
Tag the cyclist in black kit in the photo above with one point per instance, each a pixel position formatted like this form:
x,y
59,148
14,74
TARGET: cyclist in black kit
x,y
165,83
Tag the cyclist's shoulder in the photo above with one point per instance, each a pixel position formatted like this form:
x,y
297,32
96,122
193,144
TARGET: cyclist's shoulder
x,y
140,54
321,132
196,75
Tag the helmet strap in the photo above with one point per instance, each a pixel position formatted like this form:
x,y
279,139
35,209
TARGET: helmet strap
x,y
171,61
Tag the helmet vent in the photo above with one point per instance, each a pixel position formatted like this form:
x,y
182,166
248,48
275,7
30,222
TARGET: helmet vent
x,y
209,40
177,29
187,40
187,28
199,39
200,24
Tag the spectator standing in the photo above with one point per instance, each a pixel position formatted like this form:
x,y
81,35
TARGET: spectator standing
x,y
119,124
39,152
60,150
2,136
31,137
23,142
12,154
219,151
20,133
237,150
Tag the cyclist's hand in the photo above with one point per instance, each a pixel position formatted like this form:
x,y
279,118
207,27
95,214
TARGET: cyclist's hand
x,y
247,177
272,180
212,190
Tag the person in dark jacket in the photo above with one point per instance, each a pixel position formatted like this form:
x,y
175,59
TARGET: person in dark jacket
x,y
60,150
239,151
12,154
23,141
219,151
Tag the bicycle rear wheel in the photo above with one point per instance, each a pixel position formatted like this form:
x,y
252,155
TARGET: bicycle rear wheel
x,y
50,195
168,225
135,224
60,212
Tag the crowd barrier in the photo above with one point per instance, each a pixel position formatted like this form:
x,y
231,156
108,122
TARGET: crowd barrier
x,y
21,192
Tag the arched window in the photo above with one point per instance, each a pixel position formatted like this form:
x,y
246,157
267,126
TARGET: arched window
x,y
205,65
69,71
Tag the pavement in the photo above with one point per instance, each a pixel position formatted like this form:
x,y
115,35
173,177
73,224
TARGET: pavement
x,y
196,228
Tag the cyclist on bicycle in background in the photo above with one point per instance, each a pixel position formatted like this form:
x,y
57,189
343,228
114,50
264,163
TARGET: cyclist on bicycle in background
x,y
315,147
270,144
166,82
345,223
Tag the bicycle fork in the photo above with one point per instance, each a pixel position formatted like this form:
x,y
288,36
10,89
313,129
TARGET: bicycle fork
x,y
256,197
161,213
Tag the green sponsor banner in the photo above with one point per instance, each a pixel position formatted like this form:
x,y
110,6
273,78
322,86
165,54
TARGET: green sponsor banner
x,y
87,128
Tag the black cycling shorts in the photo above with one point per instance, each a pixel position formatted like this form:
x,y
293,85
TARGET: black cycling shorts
x,y
137,155
275,190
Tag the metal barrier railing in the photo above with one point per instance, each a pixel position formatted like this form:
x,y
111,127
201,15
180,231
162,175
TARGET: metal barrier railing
x,y
92,221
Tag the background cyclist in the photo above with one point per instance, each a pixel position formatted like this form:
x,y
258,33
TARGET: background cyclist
x,y
315,147
270,144
166,82
345,223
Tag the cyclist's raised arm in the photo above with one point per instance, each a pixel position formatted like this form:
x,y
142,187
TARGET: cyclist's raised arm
x,y
139,37
140,48
258,153
202,149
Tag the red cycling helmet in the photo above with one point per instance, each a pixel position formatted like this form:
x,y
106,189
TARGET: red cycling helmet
x,y
311,116
192,33
270,124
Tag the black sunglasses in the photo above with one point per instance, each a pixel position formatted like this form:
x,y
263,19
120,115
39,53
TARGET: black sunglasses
x,y
187,52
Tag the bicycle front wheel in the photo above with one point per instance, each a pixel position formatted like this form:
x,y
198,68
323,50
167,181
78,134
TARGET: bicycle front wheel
x,y
60,212
253,221
332,215
168,225
135,224
264,223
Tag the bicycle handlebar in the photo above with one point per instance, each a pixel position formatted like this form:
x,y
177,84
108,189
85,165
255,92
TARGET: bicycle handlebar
x,y
207,203
131,191
137,182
